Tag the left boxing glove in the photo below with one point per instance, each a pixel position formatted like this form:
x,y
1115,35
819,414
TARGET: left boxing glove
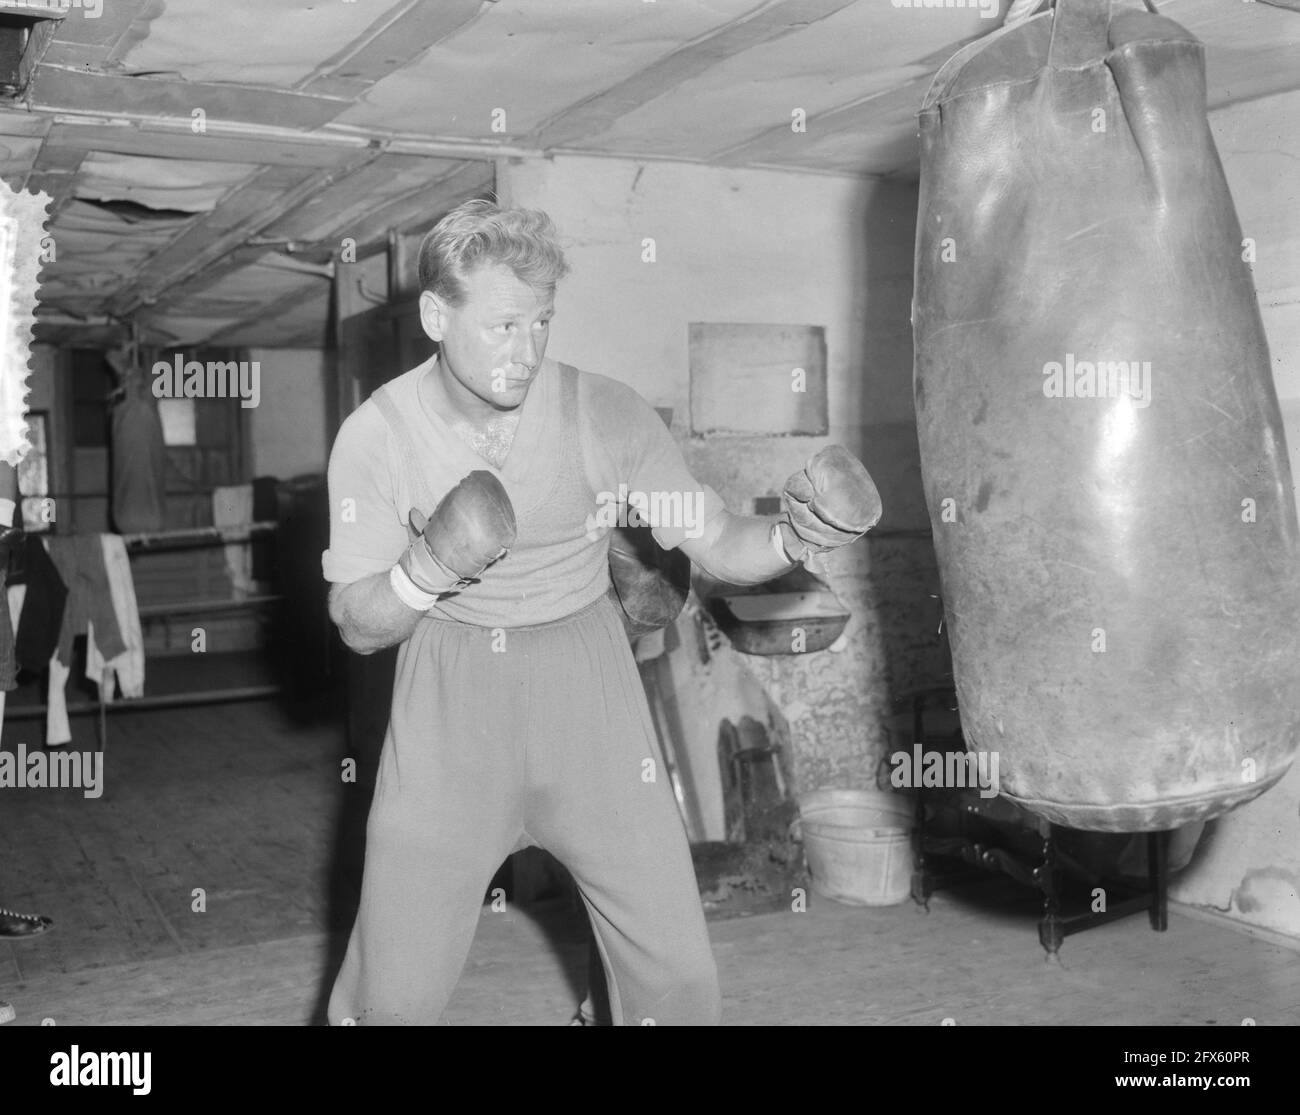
x,y
833,501
472,526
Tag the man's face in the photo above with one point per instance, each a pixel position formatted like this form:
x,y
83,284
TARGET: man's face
x,y
493,344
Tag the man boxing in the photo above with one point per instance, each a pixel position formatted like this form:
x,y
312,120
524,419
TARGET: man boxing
x,y
462,495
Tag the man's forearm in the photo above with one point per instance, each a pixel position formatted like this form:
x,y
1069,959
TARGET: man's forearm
x,y
740,551
369,614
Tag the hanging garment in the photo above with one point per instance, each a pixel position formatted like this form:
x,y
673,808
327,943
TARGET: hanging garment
x,y
79,559
139,462
233,507
41,618
8,656
8,664
16,594
127,668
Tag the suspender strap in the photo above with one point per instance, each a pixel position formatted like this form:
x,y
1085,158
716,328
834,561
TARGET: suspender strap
x,y
569,408
406,447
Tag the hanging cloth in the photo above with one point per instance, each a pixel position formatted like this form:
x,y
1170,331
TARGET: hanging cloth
x,y
139,460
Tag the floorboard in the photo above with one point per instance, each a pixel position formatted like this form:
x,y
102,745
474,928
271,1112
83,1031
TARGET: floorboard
x,y
244,802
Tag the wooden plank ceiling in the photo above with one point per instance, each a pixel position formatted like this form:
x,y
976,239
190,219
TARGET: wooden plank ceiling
x,y
207,160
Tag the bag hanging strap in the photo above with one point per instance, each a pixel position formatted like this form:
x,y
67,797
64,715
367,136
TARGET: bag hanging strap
x,y
1081,32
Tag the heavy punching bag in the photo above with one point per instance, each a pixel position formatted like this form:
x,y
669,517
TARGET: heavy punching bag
x,y
1101,444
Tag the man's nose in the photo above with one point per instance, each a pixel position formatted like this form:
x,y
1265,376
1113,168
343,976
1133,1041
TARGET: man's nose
x,y
525,352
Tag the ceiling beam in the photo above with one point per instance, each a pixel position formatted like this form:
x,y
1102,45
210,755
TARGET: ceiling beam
x,y
460,182
423,204
416,208
242,214
95,42
780,145
65,89
54,172
233,334
596,114
396,38
150,139
21,136
886,112
147,134
351,200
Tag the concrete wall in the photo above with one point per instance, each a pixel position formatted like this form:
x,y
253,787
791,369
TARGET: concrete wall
x,y
768,247
1248,864
288,424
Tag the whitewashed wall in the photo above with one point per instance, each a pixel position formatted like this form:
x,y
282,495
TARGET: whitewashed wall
x,y
288,424
1248,864
759,246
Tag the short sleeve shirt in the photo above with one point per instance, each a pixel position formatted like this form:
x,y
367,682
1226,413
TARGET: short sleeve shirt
x,y
631,469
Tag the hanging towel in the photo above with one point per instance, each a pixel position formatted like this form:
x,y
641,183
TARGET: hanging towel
x,y
17,594
233,507
57,729
127,668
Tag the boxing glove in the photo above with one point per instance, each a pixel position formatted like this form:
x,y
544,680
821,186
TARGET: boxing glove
x,y
831,502
651,583
472,526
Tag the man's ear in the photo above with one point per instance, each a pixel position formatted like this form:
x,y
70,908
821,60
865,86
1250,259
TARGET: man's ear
x,y
433,315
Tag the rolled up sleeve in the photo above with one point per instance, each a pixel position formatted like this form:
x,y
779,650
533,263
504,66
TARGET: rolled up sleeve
x,y
366,531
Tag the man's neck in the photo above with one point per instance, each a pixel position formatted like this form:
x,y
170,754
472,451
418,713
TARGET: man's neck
x,y
487,430
457,405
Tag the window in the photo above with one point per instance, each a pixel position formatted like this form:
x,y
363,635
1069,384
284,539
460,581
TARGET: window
x,y
177,416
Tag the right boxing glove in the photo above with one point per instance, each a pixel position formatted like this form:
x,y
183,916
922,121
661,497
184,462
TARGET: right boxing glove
x,y
472,526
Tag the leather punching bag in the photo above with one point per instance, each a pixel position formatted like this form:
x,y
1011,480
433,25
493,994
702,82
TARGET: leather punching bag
x,y
1101,444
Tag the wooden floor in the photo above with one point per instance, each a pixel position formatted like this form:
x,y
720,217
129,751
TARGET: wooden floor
x,y
247,804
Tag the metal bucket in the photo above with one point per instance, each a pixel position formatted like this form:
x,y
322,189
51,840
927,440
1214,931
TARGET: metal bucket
x,y
858,845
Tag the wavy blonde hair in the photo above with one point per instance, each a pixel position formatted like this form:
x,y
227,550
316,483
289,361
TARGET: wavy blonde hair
x,y
480,232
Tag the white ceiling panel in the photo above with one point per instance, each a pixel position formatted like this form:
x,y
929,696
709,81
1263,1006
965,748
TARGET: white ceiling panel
x,y
864,50
533,60
396,127
250,42
183,184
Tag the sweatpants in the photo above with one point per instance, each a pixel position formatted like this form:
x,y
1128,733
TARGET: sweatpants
x,y
509,737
